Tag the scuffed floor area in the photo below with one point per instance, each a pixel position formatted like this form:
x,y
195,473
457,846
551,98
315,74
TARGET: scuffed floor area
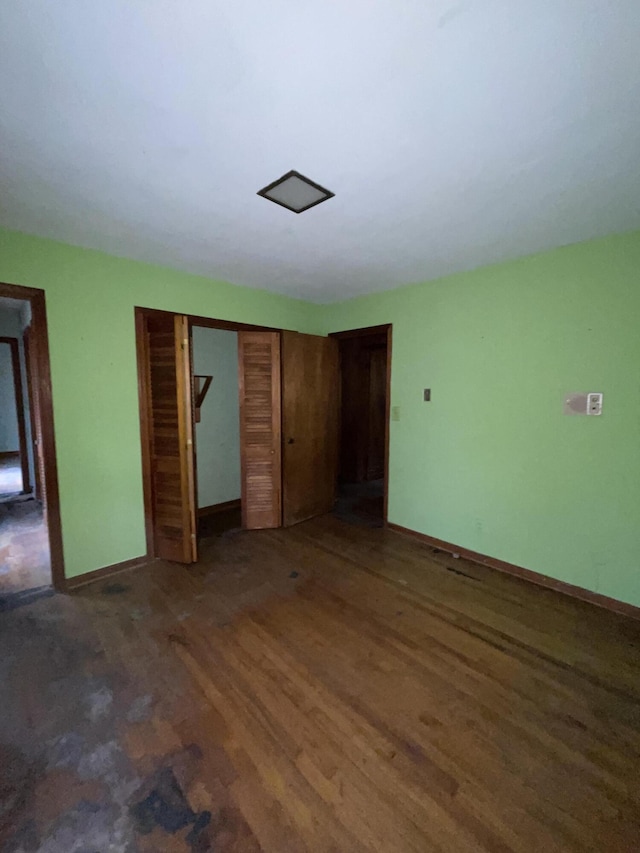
x,y
10,476
24,550
103,731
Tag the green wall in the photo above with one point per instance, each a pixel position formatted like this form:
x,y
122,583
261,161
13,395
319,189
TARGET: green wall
x,y
492,464
90,301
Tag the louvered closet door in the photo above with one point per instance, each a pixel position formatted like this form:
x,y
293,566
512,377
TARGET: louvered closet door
x,y
260,432
171,438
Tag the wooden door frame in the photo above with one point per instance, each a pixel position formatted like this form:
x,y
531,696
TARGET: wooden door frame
x,y
30,369
45,427
14,349
144,391
361,333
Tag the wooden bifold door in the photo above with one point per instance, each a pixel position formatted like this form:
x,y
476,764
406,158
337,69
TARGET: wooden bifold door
x,y
260,429
288,390
289,385
169,436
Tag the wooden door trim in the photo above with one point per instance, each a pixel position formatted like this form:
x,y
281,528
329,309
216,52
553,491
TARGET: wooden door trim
x,y
27,345
144,405
14,348
166,373
223,506
186,426
51,493
206,322
364,332
387,426
228,325
361,333
596,598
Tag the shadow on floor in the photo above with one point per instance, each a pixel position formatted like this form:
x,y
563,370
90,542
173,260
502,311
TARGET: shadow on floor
x,y
219,523
361,503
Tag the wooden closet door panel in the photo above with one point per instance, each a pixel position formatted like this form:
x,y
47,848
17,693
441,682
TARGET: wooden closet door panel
x,y
310,396
171,438
260,429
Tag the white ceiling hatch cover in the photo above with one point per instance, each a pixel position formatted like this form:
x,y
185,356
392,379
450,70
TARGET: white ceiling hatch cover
x,y
454,133
295,192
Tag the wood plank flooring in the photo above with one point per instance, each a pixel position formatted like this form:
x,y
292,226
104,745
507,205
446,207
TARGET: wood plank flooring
x,y
320,688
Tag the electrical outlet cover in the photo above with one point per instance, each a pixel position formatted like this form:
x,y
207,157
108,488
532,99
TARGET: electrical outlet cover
x,y
594,403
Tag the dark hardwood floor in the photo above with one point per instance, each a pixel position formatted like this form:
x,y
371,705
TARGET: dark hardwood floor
x,y
320,688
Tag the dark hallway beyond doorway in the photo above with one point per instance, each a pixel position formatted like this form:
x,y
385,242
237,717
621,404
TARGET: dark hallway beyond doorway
x,y
365,394
363,367
361,503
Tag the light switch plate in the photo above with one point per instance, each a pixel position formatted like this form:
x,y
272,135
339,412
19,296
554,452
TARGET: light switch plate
x,y
594,403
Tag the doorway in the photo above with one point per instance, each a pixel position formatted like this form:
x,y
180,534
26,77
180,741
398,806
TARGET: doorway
x,y
31,559
365,381
14,461
284,403
215,396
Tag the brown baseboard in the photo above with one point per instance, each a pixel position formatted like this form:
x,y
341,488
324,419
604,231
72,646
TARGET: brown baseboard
x,y
525,574
215,508
9,454
72,584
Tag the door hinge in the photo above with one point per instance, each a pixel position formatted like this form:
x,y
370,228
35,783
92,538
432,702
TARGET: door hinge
x,y
189,442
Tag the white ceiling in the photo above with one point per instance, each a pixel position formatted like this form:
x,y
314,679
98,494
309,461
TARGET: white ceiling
x,y
455,133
